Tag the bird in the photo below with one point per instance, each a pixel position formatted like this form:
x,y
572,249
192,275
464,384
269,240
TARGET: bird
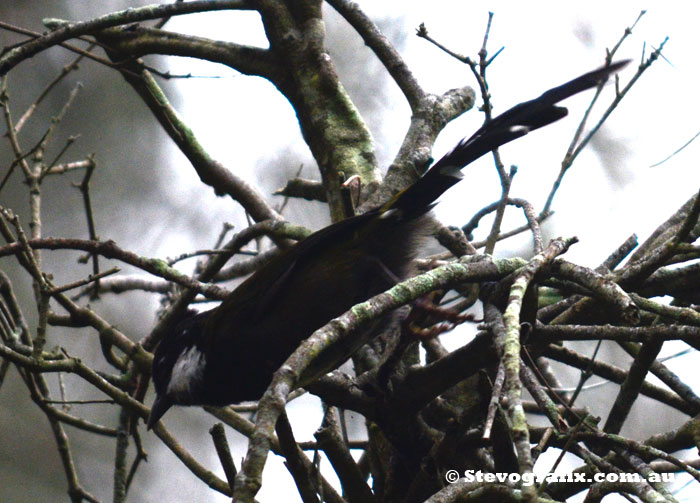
x,y
228,354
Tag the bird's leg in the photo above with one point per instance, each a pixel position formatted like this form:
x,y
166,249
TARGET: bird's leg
x,y
428,319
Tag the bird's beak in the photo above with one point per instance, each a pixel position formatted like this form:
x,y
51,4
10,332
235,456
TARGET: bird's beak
x,y
160,406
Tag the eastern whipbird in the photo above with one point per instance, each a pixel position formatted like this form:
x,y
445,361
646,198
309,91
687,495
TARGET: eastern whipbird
x,y
228,354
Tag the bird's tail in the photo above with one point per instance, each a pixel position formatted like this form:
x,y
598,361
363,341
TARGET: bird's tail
x,y
512,124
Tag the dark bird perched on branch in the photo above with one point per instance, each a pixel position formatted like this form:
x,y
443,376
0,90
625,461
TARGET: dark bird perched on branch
x,y
228,354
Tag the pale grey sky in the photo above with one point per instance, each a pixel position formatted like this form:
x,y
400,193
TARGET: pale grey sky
x,y
545,44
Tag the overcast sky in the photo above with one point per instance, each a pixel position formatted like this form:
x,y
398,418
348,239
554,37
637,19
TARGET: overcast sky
x,y
608,195
545,44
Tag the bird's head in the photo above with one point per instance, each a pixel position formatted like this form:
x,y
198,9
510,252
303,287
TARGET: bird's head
x,y
178,367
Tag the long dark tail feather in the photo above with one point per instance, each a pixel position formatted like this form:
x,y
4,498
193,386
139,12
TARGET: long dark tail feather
x,y
511,124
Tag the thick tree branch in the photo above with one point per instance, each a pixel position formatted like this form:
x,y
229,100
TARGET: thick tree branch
x,y
64,30
139,41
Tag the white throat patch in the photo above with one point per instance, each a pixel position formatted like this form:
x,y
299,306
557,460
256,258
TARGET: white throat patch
x,y
187,371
